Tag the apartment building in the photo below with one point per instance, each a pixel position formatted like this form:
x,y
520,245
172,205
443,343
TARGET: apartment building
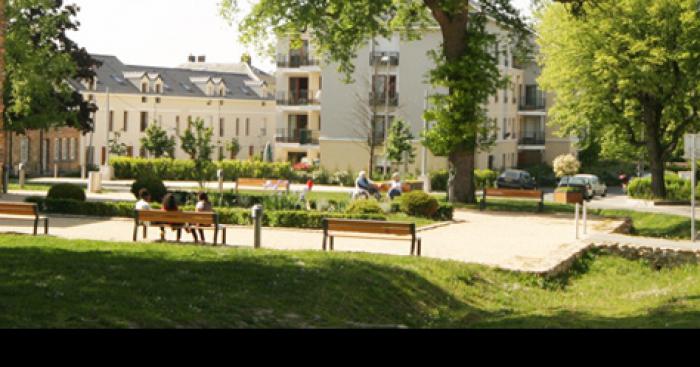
x,y
390,82
131,97
298,98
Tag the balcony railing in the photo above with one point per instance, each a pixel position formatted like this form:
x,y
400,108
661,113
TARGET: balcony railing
x,y
293,61
375,58
538,101
299,136
531,138
300,98
381,99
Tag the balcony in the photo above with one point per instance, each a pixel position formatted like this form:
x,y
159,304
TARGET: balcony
x,y
533,101
532,138
300,98
381,100
293,61
375,58
299,136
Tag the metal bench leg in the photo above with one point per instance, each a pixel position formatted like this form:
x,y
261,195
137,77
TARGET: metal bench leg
x,y
36,225
419,247
144,232
413,246
46,226
136,231
332,243
325,240
223,236
216,235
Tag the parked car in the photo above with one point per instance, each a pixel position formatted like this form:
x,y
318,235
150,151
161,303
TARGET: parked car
x,y
591,185
516,179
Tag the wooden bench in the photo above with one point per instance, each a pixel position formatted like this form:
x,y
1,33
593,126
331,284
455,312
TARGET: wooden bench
x,y
511,193
22,209
179,220
264,183
336,227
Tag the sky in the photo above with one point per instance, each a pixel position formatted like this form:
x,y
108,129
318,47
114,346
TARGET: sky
x,y
165,32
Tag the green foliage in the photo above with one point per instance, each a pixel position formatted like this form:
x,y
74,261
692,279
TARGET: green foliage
x,y
631,78
399,144
609,171
543,174
95,209
445,212
233,147
39,58
66,191
153,184
419,204
483,178
115,146
198,146
157,142
438,180
181,170
370,206
566,189
677,189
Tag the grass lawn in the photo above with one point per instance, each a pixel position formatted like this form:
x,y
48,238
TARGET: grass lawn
x,y
645,224
14,185
48,282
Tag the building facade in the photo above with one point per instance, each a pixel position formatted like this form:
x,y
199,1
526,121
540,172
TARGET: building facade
x,y
130,98
390,82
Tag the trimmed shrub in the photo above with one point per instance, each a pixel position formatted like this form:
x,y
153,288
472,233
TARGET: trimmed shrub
x,y
66,192
677,189
438,180
419,204
483,178
445,212
364,207
154,185
183,170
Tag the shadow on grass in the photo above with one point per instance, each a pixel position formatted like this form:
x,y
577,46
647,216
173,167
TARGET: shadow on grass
x,y
46,287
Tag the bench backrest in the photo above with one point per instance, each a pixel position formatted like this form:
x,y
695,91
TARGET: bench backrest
x,y
19,209
367,226
535,194
385,186
177,217
263,182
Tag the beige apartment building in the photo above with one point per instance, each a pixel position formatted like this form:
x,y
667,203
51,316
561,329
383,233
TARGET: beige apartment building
x,y
130,98
390,82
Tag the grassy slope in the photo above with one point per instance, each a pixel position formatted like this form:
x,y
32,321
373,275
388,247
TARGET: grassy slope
x,y
46,282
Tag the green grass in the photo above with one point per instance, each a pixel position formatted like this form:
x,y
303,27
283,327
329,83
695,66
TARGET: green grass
x,y
14,185
48,282
644,224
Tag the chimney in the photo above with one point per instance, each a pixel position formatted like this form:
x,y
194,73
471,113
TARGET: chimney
x,y
202,58
191,58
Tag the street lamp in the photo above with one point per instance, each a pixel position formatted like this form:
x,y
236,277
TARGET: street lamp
x,y
386,59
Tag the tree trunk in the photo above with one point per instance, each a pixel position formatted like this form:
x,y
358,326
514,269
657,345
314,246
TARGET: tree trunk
x,y
463,188
652,111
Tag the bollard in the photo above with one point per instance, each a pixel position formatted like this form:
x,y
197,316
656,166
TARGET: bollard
x,y
585,218
257,214
82,172
55,170
220,176
577,212
22,176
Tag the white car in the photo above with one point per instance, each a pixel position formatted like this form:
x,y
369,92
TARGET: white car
x,y
594,186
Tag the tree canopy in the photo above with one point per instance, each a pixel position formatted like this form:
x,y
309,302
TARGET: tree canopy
x,y
629,70
40,59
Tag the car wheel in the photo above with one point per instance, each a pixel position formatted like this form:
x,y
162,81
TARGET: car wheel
x,y
605,193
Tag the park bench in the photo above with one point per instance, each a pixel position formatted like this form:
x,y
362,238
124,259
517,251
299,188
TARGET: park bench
x,y
22,209
264,183
511,193
346,227
179,221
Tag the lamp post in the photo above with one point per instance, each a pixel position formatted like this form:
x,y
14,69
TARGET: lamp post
x,y
387,60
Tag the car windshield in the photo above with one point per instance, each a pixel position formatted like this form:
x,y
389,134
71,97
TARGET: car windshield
x,y
511,174
573,181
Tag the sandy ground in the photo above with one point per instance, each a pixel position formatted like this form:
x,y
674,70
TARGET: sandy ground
x,y
512,241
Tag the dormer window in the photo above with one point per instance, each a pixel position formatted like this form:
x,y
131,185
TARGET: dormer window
x,y
144,87
222,91
159,88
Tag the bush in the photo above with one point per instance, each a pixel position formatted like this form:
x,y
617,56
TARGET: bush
x,y
609,171
154,185
67,192
483,178
438,180
543,174
677,189
75,207
566,165
183,170
364,207
445,212
419,204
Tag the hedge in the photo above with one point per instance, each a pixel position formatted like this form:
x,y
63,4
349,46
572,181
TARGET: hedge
x,y
677,189
482,178
234,216
183,170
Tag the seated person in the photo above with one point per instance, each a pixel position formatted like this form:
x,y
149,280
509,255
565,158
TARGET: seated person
x,y
363,184
396,186
203,205
145,198
170,205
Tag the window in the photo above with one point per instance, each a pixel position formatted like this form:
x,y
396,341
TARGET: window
x,y
320,83
221,153
56,150
505,96
24,149
251,151
142,152
159,88
74,150
144,99
144,121
504,130
126,121
221,127
247,127
177,125
380,85
238,121
66,148
110,123
144,87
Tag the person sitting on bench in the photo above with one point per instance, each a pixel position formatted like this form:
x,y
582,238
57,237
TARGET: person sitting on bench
x,y
170,205
203,205
145,196
396,187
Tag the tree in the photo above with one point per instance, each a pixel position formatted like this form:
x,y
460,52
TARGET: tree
x,y
198,146
364,124
157,142
399,144
340,27
115,146
233,147
40,60
629,69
